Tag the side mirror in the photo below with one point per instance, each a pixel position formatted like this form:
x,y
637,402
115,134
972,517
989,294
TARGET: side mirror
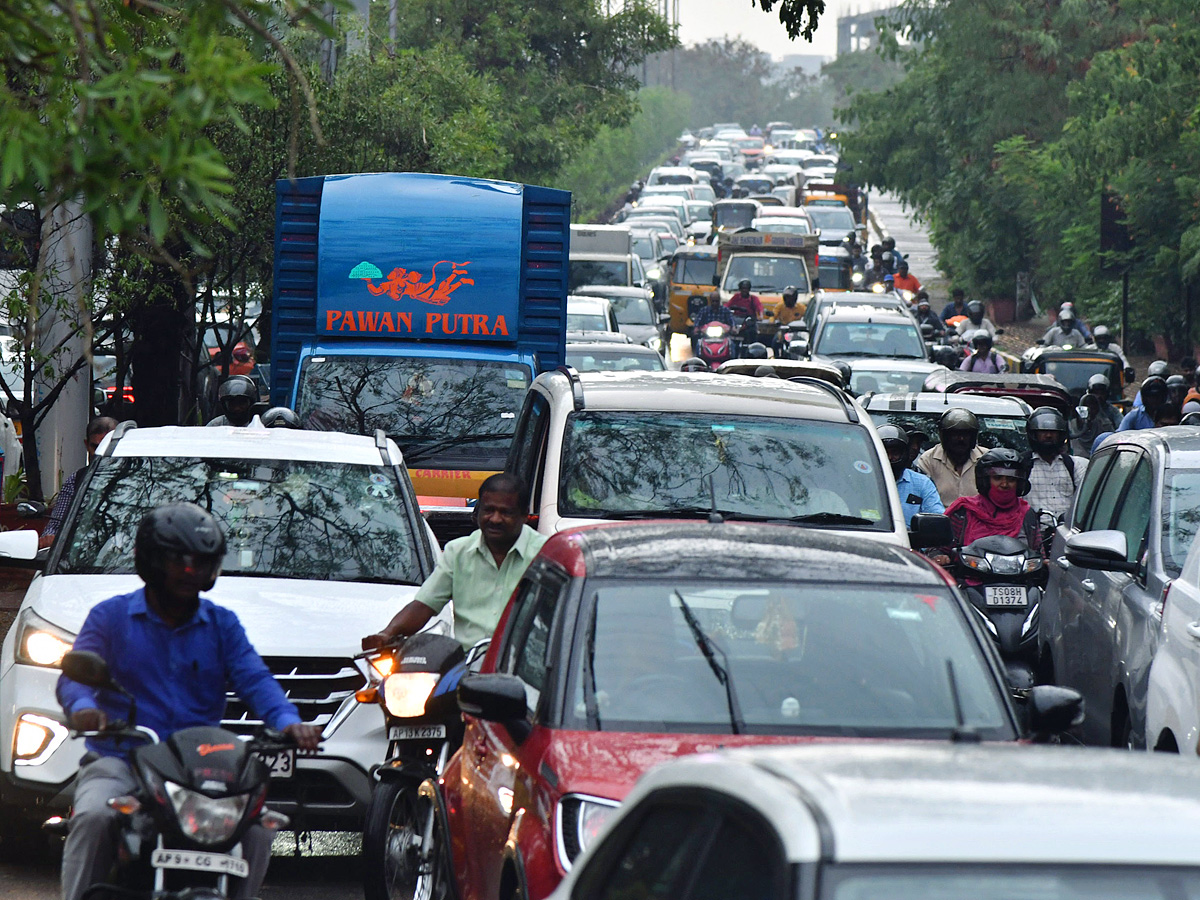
x,y
1052,710
664,318
929,530
999,331
497,698
716,281
1041,341
927,331
87,668
1103,550
1130,374
31,509
18,547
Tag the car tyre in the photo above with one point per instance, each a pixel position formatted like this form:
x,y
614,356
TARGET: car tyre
x,y
393,868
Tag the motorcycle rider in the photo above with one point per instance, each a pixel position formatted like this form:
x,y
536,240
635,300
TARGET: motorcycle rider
x,y
1098,387
1154,397
874,273
983,358
745,305
926,316
976,321
1065,332
1159,367
904,281
918,494
1054,474
951,463
1079,323
694,364
1102,340
956,307
891,258
148,637
712,312
237,396
1001,480
478,572
1177,390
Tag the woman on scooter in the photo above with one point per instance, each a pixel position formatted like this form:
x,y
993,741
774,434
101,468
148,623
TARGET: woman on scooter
x,y
1002,478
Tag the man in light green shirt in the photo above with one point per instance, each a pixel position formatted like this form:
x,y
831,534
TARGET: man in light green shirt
x,y
478,572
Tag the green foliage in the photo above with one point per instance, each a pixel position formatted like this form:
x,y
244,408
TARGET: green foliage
x,y
863,70
799,17
602,171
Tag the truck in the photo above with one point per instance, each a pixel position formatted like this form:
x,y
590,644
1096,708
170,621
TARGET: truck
x,y
772,262
422,305
603,254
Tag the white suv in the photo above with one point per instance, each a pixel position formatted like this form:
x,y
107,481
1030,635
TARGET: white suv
x,y
326,543
644,445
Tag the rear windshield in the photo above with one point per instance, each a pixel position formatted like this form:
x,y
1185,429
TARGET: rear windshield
x,y
870,339
831,218
592,360
439,411
994,431
593,271
282,518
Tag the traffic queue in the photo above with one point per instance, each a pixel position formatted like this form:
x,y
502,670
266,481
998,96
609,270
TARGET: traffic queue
x,y
459,593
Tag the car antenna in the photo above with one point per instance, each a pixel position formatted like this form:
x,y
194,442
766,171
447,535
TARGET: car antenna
x,y
963,733
714,517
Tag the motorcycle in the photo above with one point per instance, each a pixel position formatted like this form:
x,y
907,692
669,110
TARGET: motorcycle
x,y
715,344
405,853
1007,599
198,794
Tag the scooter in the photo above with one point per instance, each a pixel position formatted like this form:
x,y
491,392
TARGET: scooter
x,y
405,853
198,794
1007,600
715,344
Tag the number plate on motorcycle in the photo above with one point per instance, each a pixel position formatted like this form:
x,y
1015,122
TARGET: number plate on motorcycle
x,y
217,863
282,763
416,732
1005,595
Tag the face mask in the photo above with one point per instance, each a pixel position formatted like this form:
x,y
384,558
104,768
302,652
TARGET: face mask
x,y
1003,499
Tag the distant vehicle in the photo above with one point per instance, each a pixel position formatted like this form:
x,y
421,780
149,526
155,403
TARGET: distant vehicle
x,y
781,225
672,175
692,271
590,314
1001,419
591,356
635,312
850,333
834,222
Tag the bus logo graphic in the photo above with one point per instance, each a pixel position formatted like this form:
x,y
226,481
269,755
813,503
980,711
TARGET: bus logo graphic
x,y
409,283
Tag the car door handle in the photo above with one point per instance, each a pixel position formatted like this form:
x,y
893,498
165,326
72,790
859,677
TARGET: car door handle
x,y
1088,585
1193,630
1064,563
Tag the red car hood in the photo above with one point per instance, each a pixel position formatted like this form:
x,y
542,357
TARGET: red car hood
x,y
606,764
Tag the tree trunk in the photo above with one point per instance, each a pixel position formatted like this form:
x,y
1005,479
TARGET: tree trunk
x,y
159,357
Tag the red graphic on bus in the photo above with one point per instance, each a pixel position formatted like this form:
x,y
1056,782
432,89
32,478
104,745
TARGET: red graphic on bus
x,y
402,283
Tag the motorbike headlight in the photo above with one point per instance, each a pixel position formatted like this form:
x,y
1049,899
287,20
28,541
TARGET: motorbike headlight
x,y
39,643
405,693
712,331
978,563
1006,565
206,820
856,278
580,820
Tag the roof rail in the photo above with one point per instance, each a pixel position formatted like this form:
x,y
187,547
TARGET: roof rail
x,y
117,433
833,390
576,385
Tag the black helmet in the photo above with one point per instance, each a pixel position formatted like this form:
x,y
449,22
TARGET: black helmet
x,y
1159,367
1005,461
1154,384
894,437
757,350
1101,336
957,419
844,368
922,302
280,417
180,529
1046,418
981,338
790,296
975,311
1192,418
238,386
765,372
744,284
695,364
1177,388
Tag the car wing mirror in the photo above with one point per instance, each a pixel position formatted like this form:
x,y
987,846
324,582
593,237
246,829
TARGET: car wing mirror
x,y
1052,710
1105,550
496,697
929,530
18,548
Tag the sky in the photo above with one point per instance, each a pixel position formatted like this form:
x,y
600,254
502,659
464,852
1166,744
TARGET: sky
x,y
700,20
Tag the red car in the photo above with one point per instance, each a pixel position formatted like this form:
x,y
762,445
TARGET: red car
x,y
635,643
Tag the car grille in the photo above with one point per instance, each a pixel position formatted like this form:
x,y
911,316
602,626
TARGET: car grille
x,y
317,686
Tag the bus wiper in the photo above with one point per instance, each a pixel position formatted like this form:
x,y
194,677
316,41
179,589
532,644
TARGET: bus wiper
x,y
720,669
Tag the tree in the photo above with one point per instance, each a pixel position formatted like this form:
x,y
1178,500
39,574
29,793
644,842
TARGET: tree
x,y
799,17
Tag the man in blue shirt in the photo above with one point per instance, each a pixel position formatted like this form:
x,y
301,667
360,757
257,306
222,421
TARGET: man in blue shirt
x,y
1154,397
712,312
175,652
918,493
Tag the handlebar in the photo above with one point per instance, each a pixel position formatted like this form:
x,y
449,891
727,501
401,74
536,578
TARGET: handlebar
x,y
117,730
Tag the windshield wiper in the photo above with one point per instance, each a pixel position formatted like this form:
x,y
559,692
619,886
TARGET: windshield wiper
x,y
672,512
710,651
831,518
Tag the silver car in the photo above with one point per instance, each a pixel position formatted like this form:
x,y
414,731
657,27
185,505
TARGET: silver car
x,y
1112,559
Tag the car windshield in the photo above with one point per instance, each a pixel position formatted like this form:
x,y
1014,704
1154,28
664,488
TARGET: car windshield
x,y
767,273
694,270
645,246
614,360
994,431
626,464
460,411
800,658
877,380
598,271
632,310
1074,374
578,321
282,518
1008,882
831,218
1180,516
870,339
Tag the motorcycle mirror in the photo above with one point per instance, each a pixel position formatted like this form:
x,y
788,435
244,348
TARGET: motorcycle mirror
x,y
1130,373
31,509
87,668
930,530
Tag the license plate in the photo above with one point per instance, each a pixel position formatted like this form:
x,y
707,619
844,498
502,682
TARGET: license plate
x,y
216,863
416,732
282,763
1005,595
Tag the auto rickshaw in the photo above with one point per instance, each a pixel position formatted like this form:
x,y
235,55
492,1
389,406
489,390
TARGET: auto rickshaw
x,y
1036,390
692,269
1073,367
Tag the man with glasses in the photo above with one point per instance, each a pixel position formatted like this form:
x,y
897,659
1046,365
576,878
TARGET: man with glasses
x,y
96,431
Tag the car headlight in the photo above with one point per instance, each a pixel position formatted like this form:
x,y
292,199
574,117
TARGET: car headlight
x,y
39,643
36,738
206,820
581,819
405,693
655,343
